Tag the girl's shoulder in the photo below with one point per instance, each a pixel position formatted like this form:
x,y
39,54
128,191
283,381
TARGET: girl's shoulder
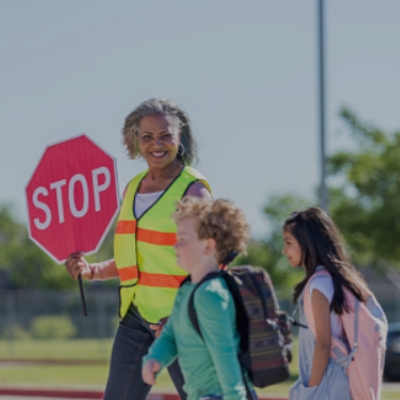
x,y
322,281
321,272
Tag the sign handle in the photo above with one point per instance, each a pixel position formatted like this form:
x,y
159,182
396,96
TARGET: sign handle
x,y
82,295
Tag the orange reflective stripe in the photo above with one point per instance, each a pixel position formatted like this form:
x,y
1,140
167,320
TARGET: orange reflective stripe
x,y
161,280
125,227
127,273
146,235
156,237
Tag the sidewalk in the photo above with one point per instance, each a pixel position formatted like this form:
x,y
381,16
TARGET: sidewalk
x,y
15,393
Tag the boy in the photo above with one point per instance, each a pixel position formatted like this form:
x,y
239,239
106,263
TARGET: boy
x,y
207,233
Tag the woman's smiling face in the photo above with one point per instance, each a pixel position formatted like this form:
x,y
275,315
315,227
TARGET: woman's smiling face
x,y
159,140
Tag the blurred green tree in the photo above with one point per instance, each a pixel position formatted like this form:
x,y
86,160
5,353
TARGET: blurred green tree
x,y
365,201
24,265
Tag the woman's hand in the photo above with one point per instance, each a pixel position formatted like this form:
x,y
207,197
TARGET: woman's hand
x,y
76,265
149,370
159,326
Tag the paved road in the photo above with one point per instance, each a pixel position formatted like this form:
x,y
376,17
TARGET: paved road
x,y
395,387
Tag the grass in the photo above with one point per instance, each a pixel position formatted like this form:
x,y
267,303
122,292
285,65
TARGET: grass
x,y
80,349
88,376
92,375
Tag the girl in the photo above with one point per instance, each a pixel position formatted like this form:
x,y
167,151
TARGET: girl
x,y
312,241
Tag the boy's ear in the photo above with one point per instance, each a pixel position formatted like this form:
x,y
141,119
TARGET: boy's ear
x,y
211,246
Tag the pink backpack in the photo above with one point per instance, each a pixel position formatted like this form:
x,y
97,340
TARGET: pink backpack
x,y
365,327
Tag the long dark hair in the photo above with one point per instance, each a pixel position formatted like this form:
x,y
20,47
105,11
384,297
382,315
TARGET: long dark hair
x,y
321,244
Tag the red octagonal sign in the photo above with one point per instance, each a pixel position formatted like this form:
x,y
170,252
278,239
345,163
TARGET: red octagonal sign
x,y
72,198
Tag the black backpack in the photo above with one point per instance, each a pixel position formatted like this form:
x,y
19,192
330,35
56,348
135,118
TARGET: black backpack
x,y
265,335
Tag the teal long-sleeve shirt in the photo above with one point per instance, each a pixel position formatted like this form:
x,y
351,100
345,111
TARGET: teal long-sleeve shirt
x,y
209,366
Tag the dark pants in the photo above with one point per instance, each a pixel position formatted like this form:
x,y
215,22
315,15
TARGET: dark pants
x,y
131,343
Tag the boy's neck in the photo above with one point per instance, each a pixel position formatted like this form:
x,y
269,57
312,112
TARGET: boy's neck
x,y
199,273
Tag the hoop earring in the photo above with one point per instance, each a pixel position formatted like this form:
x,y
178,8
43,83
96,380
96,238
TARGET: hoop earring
x,y
181,150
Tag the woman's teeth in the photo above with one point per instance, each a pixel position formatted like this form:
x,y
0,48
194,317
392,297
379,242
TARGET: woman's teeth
x,y
158,154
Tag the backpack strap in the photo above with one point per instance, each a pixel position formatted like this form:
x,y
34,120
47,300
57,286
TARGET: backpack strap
x,y
337,349
239,310
191,310
355,341
187,279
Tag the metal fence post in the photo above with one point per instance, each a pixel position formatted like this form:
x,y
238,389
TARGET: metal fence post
x,y
10,324
101,328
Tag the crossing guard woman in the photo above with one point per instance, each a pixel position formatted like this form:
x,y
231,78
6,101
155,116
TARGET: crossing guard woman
x,y
144,258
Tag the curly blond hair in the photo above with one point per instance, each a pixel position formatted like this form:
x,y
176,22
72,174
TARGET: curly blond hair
x,y
219,220
187,151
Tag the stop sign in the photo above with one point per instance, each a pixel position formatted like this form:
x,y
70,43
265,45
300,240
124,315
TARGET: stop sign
x,y
72,198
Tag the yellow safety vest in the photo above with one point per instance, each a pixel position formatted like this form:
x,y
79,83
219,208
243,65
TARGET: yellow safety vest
x,y
143,249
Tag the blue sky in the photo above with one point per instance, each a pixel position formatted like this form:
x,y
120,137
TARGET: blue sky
x,y
246,72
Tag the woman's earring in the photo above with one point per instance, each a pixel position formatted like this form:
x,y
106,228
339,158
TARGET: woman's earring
x,y
181,150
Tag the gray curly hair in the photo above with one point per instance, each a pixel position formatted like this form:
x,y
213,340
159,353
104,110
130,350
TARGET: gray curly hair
x,y
187,152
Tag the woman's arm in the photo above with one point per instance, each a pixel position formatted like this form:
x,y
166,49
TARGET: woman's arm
x,y
103,271
76,265
322,322
198,189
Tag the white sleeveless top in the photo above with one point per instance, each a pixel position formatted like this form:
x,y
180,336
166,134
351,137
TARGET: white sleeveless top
x,y
325,286
143,201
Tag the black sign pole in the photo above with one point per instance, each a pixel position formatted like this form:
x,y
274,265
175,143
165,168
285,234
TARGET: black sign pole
x,y
83,300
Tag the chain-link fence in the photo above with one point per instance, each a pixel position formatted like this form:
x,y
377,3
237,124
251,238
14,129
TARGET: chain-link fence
x,y
25,313
48,314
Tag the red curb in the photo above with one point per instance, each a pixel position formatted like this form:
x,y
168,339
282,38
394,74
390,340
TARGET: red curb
x,y
52,362
86,394
66,394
